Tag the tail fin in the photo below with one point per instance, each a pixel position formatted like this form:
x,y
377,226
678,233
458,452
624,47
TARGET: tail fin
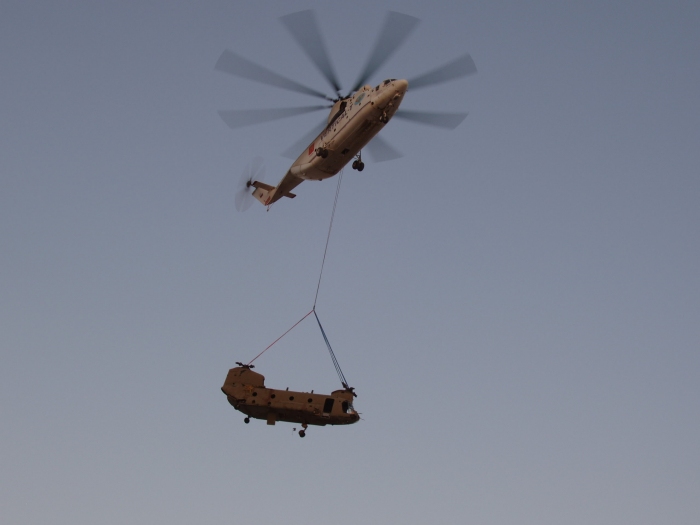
x,y
263,192
266,193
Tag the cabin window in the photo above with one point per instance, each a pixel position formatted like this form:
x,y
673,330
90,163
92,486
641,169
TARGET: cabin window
x,y
328,405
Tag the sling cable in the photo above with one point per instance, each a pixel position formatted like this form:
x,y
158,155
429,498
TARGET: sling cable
x,y
341,376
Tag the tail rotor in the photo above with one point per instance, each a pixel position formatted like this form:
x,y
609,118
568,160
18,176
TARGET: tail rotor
x,y
254,172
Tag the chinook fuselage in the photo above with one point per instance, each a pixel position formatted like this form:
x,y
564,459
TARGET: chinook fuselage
x,y
246,392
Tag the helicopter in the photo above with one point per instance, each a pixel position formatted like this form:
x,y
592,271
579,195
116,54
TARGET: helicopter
x,y
246,392
354,120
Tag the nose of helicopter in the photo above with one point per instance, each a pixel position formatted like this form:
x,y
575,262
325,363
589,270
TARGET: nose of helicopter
x,y
401,85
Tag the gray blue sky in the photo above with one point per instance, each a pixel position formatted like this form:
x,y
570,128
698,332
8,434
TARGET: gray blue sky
x,y
516,301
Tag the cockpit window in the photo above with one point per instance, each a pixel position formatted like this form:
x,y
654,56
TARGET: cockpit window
x,y
388,80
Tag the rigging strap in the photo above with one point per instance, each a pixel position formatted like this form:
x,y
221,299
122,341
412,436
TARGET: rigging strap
x,y
330,351
280,337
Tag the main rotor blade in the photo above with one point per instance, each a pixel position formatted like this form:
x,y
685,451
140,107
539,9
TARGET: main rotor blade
x,y
380,150
304,29
296,149
441,120
233,64
238,118
460,67
394,32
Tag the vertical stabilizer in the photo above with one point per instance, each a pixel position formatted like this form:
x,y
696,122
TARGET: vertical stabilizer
x,y
263,192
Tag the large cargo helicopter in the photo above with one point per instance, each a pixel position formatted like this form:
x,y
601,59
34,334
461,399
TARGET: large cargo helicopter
x,y
354,120
246,392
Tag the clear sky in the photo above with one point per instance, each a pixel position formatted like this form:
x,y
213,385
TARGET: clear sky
x,y
517,301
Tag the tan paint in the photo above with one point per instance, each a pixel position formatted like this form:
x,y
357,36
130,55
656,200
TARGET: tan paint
x,y
246,392
367,112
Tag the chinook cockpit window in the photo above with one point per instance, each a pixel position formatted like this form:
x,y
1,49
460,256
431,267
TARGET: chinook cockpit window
x,y
388,80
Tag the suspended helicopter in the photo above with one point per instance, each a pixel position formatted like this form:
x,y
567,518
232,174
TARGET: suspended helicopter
x,y
246,392
354,119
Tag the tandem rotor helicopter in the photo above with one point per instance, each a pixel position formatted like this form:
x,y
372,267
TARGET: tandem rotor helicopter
x,y
246,392
354,119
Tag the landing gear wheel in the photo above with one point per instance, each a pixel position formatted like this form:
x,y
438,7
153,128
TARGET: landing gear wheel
x,y
322,152
302,432
246,420
357,164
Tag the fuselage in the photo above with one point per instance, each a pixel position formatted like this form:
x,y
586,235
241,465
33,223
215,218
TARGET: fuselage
x,y
246,392
352,123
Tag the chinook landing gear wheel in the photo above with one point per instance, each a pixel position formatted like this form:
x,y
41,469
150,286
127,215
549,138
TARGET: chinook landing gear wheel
x,y
302,432
322,152
360,166
246,420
